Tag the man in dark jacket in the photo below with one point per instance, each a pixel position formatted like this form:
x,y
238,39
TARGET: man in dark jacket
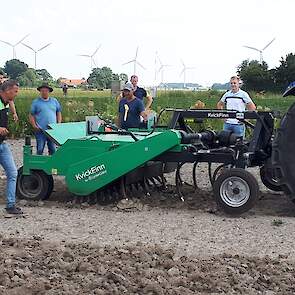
x,y
8,92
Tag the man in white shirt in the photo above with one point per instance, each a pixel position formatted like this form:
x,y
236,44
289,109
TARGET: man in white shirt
x,y
238,100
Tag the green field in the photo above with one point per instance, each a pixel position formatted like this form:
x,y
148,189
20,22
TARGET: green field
x,y
80,103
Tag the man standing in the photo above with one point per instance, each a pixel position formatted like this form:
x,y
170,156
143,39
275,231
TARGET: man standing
x,y
65,89
140,92
45,110
237,100
8,92
130,109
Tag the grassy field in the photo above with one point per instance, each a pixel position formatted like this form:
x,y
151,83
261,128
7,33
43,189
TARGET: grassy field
x,y
80,103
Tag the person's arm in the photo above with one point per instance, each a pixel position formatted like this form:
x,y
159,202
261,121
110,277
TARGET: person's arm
x,y
221,103
250,105
141,110
33,122
13,111
149,101
58,112
32,117
119,97
144,115
58,117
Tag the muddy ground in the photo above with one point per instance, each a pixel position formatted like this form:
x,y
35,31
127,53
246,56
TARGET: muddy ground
x,y
161,246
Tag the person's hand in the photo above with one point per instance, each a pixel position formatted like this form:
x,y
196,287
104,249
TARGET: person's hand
x,y
3,131
15,117
36,128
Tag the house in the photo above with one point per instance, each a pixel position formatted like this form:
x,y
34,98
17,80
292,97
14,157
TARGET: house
x,y
73,82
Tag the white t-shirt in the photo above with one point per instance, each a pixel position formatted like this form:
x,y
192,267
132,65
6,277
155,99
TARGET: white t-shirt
x,y
236,102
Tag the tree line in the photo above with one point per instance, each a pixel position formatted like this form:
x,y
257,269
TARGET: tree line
x,y
258,77
100,78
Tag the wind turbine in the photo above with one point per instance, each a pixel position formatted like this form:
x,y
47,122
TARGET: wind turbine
x,y
135,62
260,50
14,45
36,51
162,69
91,57
183,72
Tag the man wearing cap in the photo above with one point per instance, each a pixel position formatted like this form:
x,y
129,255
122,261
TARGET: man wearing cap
x,y
130,109
45,110
8,92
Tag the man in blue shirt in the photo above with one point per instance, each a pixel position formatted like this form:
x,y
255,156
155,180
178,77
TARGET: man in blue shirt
x,y
238,100
45,110
130,109
140,92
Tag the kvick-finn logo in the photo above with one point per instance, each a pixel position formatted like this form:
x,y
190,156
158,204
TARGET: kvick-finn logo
x,y
91,173
217,115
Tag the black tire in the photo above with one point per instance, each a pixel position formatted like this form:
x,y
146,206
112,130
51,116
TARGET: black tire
x,y
283,156
268,178
35,187
233,183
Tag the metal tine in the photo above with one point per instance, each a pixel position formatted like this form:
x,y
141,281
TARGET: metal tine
x,y
145,188
152,179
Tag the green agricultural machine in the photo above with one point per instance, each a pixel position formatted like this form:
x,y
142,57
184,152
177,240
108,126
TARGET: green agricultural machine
x,y
105,164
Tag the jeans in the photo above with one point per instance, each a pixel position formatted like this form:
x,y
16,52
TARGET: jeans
x,y
7,162
42,139
238,129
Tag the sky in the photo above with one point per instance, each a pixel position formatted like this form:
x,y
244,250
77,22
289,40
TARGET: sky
x,y
207,35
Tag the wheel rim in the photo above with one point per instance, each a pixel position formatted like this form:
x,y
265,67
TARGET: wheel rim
x,y
31,185
234,191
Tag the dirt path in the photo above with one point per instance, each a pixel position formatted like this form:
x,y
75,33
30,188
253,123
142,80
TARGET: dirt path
x,y
164,246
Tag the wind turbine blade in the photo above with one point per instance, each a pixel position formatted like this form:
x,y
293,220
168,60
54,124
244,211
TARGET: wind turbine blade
x,y
22,39
84,55
44,47
96,50
182,63
181,73
128,62
136,53
160,68
7,43
249,47
268,44
140,65
28,47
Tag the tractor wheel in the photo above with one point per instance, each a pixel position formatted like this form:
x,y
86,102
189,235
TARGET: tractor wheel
x,y
283,156
37,186
236,191
268,178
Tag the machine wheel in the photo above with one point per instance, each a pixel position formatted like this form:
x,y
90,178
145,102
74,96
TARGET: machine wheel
x,y
37,186
283,156
268,178
236,191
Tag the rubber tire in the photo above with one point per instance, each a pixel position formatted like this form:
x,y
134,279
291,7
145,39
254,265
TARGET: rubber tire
x,y
45,182
267,179
248,178
283,156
